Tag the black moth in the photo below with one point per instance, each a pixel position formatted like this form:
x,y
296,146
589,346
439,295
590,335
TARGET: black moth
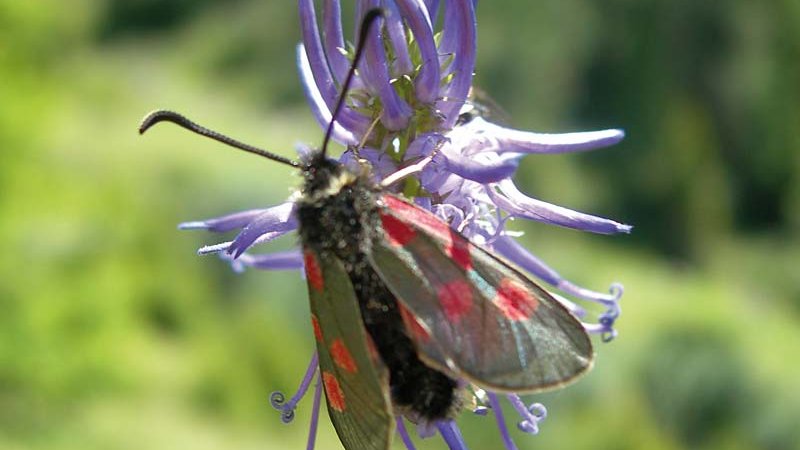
x,y
405,310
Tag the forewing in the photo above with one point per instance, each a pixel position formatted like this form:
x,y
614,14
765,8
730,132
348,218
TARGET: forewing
x,y
356,382
483,319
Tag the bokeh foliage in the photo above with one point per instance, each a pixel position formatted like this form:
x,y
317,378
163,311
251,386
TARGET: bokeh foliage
x,y
114,335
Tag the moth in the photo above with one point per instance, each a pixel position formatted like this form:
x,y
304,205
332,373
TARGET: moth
x,y
405,310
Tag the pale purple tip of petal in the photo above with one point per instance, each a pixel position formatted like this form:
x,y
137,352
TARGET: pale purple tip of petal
x,y
401,430
501,423
215,248
197,225
224,223
451,434
518,204
510,140
278,219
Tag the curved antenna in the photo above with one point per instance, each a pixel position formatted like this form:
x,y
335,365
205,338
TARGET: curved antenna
x,y
164,115
369,18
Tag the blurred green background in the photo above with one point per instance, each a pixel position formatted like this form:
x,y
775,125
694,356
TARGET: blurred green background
x,y
114,335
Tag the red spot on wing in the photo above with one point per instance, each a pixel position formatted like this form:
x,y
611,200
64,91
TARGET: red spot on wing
x,y
342,357
458,250
515,300
313,272
317,329
418,332
333,391
398,233
419,217
455,298
455,245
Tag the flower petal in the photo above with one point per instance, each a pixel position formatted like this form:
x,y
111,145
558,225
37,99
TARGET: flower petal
x,y
451,434
318,64
334,39
491,169
318,106
375,70
458,39
395,29
277,219
427,81
500,139
223,223
518,204
433,8
285,260
403,432
501,424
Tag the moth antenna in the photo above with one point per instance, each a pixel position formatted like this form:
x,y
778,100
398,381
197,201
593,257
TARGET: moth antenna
x,y
371,16
180,120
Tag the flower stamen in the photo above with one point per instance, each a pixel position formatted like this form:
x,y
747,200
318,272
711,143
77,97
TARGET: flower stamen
x,y
278,400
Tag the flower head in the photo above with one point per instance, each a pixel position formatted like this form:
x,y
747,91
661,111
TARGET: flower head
x,y
409,108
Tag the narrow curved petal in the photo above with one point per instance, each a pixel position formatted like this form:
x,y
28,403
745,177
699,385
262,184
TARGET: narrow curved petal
x,y
485,170
318,106
433,9
500,139
278,219
397,36
519,255
334,40
395,112
286,260
320,70
316,54
518,204
223,223
459,38
427,82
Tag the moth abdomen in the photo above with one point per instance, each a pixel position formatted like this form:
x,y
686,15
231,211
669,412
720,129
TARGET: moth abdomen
x,y
418,391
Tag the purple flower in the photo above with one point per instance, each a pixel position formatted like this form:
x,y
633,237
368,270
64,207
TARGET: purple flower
x,y
409,110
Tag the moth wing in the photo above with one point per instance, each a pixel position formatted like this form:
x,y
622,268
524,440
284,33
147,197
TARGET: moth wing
x,y
476,316
355,380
